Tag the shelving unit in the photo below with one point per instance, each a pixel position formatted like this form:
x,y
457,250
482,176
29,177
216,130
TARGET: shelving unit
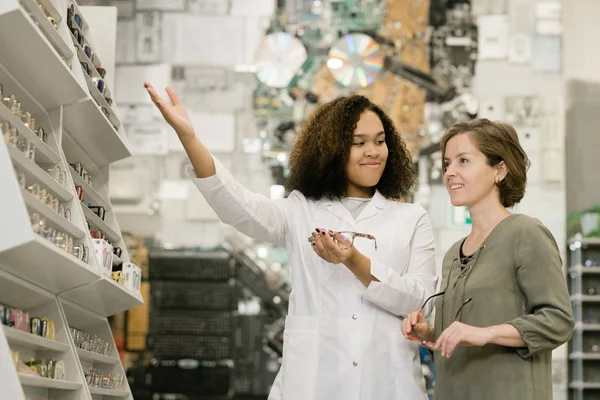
x,y
39,65
584,347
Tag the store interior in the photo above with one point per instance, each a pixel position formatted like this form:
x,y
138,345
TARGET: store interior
x,y
118,280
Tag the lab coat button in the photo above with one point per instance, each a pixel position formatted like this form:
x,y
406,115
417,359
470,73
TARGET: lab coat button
x,y
355,363
354,316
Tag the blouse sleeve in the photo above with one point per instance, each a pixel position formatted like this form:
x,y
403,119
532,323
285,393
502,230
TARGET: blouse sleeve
x,y
548,321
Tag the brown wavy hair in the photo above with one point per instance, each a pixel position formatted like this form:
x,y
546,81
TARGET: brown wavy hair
x,y
499,142
320,154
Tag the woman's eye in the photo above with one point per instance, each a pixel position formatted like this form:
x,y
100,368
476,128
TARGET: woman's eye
x,y
380,141
358,144
463,160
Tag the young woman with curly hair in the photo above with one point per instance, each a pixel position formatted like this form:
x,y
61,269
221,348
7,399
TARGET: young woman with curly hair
x,y
359,260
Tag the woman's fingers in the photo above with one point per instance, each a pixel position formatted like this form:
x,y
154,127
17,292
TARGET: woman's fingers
x,y
173,96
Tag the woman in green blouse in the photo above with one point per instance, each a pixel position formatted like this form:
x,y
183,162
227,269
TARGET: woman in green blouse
x,y
504,304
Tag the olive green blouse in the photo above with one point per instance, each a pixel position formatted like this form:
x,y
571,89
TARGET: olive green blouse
x,y
515,278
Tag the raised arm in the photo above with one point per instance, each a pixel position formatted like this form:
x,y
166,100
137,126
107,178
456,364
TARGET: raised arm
x,y
251,213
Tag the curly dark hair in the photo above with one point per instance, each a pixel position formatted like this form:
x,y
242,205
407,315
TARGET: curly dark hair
x,y
320,154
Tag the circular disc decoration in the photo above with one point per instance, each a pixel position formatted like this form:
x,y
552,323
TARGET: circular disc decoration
x,y
355,60
278,59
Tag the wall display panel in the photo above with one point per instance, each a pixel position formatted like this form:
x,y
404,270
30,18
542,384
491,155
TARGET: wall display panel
x,y
55,224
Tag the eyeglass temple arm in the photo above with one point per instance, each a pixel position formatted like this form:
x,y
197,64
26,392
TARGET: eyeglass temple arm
x,y
429,298
467,301
367,236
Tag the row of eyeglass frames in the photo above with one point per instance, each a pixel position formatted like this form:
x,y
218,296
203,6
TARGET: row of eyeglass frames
x,y
88,59
39,224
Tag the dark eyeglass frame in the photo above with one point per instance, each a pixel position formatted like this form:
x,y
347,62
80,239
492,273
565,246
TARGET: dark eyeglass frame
x,y
430,345
354,236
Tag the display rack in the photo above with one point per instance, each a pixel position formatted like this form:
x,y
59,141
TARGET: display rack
x,y
40,66
584,347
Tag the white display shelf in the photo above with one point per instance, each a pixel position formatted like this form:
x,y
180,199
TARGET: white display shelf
x,y
97,223
95,357
40,67
51,34
587,327
109,392
100,100
584,385
89,192
30,341
43,153
579,269
38,381
47,266
591,240
54,87
33,172
584,356
51,8
56,220
104,297
586,298
94,133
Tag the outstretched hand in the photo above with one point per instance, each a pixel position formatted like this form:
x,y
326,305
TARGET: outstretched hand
x,y
174,112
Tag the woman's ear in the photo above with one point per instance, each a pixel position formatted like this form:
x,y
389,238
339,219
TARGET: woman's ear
x,y
501,171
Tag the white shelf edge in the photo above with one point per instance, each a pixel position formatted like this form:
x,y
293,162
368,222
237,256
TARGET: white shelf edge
x,y
31,169
101,101
587,327
51,8
38,381
95,357
586,298
591,240
584,356
41,148
584,385
584,270
108,392
57,220
63,88
89,190
96,222
32,341
47,29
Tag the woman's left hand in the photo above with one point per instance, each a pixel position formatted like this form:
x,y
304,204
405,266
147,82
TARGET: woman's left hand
x,y
325,246
461,334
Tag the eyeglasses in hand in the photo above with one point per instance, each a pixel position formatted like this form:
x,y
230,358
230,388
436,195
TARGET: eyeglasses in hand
x,y
345,239
431,345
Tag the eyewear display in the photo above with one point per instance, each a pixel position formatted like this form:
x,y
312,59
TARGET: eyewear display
x,y
98,210
117,251
77,167
49,368
47,198
19,319
26,117
62,240
96,378
93,343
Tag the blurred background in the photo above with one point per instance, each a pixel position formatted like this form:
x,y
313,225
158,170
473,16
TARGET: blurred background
x,y
249,73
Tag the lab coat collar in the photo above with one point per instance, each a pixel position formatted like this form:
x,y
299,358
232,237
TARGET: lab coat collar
x,y
374,207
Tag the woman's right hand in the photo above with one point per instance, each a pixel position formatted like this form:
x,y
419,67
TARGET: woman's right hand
x,y
174,113
416,325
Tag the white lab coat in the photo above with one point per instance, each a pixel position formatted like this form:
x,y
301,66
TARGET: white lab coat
x,y
342,340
